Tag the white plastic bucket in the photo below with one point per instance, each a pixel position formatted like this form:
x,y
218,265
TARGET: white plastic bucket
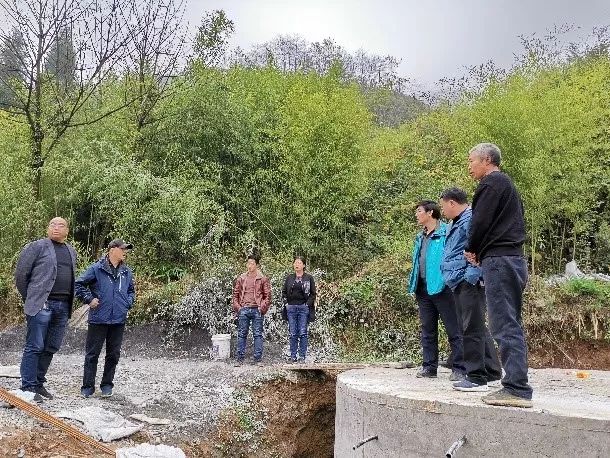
x,y
221,346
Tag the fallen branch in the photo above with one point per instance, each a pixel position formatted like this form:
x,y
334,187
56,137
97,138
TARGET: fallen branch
x,y
559,348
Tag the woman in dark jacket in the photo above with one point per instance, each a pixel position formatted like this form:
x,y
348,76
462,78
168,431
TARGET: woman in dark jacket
x,y
299,295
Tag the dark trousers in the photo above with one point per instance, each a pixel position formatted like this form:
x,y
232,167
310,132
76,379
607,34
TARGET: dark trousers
x,y
505,278
431,307
97,334
480,355
45,333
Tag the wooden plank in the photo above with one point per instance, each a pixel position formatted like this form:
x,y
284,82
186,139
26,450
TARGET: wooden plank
x,y
322,366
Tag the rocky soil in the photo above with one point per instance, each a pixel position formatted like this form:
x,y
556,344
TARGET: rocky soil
x,y
178,382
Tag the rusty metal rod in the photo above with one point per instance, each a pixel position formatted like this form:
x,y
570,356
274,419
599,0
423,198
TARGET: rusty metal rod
x,y
362,442
40,414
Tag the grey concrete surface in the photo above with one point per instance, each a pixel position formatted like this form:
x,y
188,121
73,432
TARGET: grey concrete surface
x,y
423,417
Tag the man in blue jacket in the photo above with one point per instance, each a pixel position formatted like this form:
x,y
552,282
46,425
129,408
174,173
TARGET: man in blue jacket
x,y
45,280
107,286
464,279
433,297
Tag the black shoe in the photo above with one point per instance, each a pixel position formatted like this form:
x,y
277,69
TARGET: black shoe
x,y
426,373
457,376
106,391
44,393
257,362
238,362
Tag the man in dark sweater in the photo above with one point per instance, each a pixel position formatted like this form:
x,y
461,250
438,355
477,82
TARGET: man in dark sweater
x,y
495,242
45,280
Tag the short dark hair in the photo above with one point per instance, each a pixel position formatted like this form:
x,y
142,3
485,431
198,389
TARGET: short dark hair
x,y
458,195
300,258
430,205
255,257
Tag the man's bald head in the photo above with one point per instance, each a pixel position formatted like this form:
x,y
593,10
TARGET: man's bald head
x,y
58,229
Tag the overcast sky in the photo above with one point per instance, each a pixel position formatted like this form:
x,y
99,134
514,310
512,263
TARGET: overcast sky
x,y
434,38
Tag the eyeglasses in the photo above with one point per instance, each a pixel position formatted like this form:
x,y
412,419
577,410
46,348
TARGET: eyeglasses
x,y
61,225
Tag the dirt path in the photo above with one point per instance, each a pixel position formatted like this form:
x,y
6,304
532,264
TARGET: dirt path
x,y
180,384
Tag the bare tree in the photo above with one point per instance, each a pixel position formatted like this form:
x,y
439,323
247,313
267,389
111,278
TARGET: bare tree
x,y
158,53
100,41
60,62
292,53
12,69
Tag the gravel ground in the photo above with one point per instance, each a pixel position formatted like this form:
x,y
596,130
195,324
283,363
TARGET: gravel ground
x,y
179,383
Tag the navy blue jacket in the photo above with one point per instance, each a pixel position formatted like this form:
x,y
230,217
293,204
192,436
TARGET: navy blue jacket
x,y
454,266
116,294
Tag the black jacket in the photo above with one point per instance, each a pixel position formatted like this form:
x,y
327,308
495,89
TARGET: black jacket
x,y
497,227
290,295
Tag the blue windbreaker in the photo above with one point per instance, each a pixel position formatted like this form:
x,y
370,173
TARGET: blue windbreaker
x,y
454,266
116,293
434,255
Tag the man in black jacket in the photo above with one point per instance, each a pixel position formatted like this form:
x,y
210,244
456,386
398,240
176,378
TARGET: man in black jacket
x,y
495,242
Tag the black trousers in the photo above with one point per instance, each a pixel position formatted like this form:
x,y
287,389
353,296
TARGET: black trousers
x,y
97,334
480,355
431,308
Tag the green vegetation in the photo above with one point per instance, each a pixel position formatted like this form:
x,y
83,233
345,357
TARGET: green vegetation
x,y
309,161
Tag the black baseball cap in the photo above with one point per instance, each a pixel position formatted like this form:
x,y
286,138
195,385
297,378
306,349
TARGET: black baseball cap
x,y
120,243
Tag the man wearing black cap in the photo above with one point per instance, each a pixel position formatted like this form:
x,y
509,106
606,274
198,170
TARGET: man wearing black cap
x,y
107,286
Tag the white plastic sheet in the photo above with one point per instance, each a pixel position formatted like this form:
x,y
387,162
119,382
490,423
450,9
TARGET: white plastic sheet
x,y
150,451
10,371
102,424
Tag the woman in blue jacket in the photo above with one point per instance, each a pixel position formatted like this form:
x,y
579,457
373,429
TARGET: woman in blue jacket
x,y
107,286
433,297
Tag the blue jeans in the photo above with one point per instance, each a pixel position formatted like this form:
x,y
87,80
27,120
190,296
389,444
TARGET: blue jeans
x,y
431,308
249,315
45,333
505,278
298,316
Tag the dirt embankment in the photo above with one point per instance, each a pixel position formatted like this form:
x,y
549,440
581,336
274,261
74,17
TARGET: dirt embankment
x,y
292,416
574,354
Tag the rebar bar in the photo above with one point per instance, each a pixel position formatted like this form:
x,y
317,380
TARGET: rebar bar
x,y
362,442
40,414
455,446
